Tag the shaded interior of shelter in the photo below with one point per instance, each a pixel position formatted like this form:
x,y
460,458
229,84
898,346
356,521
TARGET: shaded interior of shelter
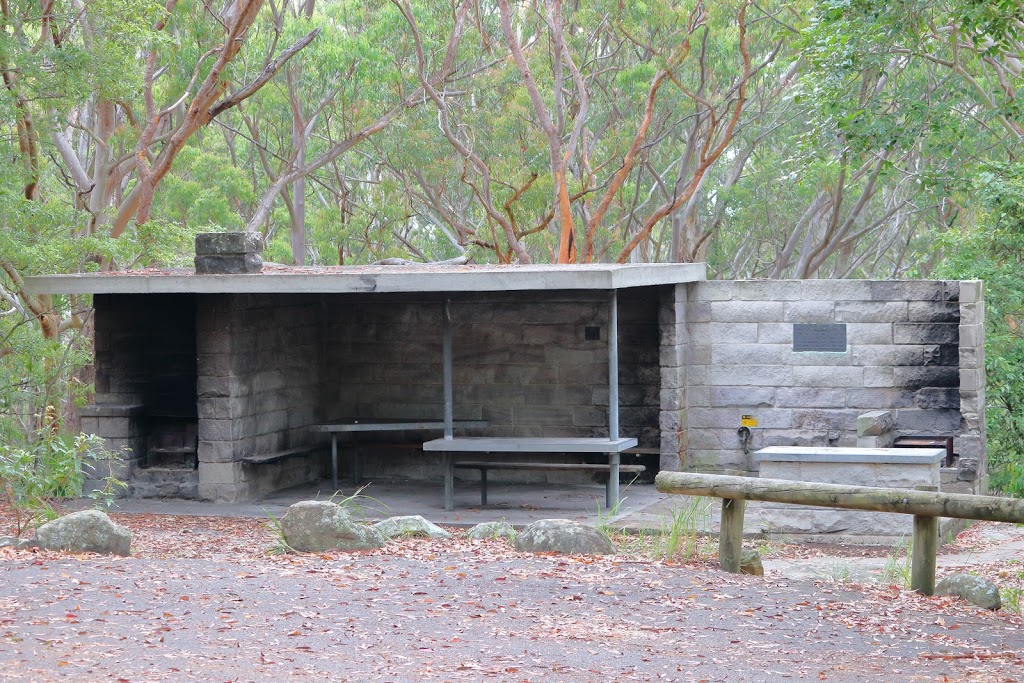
x,y
235,375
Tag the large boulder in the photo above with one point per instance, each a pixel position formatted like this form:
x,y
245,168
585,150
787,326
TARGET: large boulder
x,y
973,589
86,531
491,530
563,536
411,525
316,526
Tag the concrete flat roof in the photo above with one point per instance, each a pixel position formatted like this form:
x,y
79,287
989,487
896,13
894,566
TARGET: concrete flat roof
x,y
382,279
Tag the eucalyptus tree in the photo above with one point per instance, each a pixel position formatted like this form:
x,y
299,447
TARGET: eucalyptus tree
x,y
576,130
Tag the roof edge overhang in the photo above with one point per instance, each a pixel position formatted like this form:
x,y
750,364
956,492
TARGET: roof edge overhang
x,y
375,279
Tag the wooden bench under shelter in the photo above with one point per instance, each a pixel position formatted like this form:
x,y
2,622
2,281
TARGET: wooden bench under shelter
x,y
612,446
278,456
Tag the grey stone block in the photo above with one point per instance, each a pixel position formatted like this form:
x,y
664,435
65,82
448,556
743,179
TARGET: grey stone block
x,y
971,291
752,375
746,311
809,397
698,354
874,423
972,314
208,243
836,290
942,398
934,311
972,379
844,420
220,472
750,354
742,396
884,355
216,451
809,312
934,422
869,333
712,290
725,333
967,469
698,312
879,377
671,399
215,430
767,290
918,378
871,312
698,376
775,333
213,387
729,418
911,290
972,335
879,398
925,333
813,376
228,265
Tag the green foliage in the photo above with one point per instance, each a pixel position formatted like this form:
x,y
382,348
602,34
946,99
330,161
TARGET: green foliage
x,y
897,568
50,468
995,253
685,526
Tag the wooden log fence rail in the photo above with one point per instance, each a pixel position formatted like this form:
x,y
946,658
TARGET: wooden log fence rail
x,y
926,507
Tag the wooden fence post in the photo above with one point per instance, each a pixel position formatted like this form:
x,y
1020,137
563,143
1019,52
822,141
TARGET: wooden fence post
x,y
730,538
922,564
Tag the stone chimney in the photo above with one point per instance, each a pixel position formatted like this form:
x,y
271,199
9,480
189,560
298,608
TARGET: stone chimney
x,y
227,253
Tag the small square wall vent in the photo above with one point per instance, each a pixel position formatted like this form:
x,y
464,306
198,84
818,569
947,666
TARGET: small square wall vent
x,y
592,333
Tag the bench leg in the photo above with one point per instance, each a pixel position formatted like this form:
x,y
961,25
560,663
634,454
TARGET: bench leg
x,y
449,481
483,486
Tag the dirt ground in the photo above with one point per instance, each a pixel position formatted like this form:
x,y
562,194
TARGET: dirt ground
x,y
206,599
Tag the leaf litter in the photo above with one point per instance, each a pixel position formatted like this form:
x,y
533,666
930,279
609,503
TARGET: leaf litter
x,y
204,598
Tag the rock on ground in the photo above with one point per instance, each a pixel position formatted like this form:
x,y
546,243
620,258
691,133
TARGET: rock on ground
x,y
410,525
86,531
489,530
563,536
316,526
750,563
973,589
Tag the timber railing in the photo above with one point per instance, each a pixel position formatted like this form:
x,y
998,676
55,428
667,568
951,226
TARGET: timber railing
x,y
926,507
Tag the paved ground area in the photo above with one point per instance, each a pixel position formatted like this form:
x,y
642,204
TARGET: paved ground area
x,y
518,504
203,599
457,610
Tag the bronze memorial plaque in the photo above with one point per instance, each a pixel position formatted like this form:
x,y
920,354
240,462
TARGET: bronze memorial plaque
x,y
828,337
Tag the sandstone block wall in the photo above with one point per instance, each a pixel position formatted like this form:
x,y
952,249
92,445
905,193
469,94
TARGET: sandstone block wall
x,y
913,347
258,386
530,364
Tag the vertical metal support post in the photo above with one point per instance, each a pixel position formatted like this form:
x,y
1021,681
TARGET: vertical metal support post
x,y
612,492
730,538
446,368
334,459
613,367
922,563
357,463
449,481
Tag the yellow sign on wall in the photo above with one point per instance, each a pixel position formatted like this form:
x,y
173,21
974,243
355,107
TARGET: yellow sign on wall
x,y
748,421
